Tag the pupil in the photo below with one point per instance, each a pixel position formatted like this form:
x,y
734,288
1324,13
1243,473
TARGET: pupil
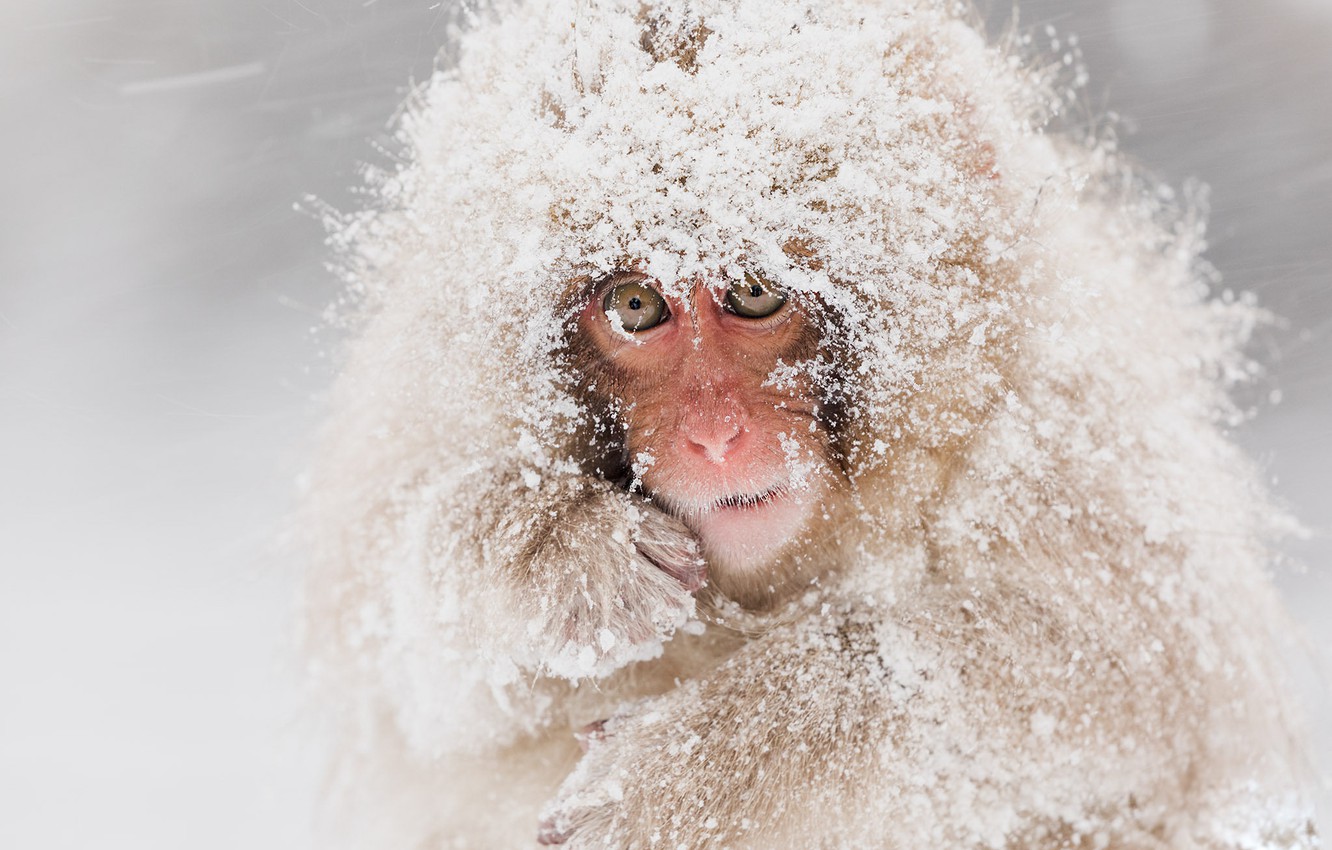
x,y
635,303
755,290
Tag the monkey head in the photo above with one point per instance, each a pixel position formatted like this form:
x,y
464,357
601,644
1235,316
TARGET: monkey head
x,y
750,314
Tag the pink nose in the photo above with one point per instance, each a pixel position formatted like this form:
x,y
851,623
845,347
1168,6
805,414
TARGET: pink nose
x,y
715,440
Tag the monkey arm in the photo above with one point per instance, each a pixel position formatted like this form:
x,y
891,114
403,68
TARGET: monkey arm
x,y
590,576
788,734
843,732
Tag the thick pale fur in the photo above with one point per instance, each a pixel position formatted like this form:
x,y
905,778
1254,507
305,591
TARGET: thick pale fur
x,y
1041,617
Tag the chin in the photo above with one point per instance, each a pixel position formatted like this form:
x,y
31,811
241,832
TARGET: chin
x,y
742,534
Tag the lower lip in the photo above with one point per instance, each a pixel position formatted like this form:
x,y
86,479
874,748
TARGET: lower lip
x,y
751,534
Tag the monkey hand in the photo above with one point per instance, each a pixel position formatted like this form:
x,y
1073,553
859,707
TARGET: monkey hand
x,y
784,734
610,578
584,808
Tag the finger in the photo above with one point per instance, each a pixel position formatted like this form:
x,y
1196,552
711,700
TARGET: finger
x,y
592,733
679,562
548,834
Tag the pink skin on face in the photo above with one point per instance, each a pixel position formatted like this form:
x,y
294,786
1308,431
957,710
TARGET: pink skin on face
x,y
697,405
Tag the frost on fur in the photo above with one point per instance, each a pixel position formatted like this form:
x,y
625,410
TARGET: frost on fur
x,y
1045,623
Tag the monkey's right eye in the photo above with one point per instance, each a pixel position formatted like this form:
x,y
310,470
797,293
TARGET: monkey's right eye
x,y
635,306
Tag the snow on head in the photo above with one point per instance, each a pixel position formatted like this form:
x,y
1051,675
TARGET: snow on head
x,y
823,147
1029,375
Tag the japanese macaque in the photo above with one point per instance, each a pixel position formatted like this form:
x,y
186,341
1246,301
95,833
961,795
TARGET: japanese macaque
x,y
760,433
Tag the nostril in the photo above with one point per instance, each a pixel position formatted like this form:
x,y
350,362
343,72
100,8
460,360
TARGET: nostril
x,y
715,444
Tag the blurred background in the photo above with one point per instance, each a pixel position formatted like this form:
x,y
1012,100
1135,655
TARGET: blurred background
x,y
161,358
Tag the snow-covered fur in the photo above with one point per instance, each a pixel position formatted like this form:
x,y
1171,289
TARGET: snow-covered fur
x,y
1043,620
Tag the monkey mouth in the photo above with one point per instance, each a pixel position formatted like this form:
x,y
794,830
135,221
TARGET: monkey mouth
x,y
749,501
743,531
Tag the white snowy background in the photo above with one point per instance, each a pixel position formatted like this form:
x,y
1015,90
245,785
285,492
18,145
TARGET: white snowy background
x,y
159,378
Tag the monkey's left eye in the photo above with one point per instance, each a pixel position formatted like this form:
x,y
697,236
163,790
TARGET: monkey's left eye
x,y
754,297
635,306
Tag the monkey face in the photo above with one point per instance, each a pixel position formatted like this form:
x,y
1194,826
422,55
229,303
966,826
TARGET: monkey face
x,y
717,425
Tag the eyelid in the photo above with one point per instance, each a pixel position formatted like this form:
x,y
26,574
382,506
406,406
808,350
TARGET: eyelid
x,y
609,281
782,315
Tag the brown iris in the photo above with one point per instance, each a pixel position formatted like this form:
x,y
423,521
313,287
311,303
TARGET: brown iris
x,y
754,297
635,306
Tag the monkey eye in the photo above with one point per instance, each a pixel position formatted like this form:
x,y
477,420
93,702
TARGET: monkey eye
x,y
754,297
635,306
